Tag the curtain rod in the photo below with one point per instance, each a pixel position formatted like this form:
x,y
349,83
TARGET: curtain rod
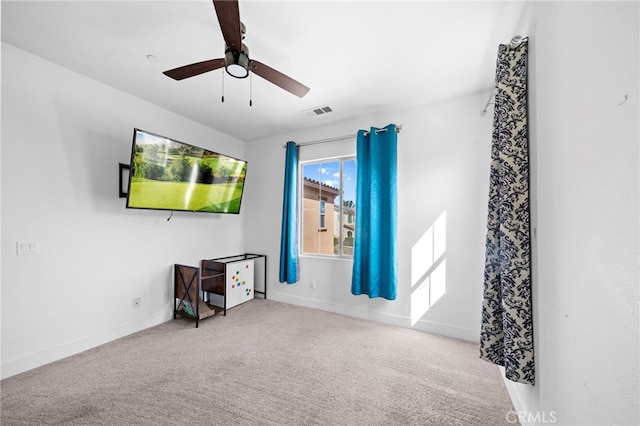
x,y
486,106
340,138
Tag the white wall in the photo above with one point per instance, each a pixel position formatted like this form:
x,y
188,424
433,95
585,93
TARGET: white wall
x,y
443,166
585,174
63,136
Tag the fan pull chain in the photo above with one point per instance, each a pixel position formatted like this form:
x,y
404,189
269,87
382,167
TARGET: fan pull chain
x,y
250,89
222,87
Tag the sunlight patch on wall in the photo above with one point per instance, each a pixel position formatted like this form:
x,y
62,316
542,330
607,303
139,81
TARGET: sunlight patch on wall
x,y
438,281
422,256
429,268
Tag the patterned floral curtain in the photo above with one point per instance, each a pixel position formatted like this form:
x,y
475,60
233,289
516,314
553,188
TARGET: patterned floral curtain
x,y
506,336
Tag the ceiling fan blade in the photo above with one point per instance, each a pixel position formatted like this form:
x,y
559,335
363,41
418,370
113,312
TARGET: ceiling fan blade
x,y
195,69
229,19
279,79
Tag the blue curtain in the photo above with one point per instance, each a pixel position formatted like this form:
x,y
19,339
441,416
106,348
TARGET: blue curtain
x,y
289,268
375,264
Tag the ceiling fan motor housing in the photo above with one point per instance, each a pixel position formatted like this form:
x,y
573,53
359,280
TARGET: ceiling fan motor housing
x,y
237,62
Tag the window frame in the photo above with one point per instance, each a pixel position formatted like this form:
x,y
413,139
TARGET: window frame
x,y
323,215
341,235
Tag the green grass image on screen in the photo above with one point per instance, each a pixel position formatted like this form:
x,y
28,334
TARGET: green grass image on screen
x,y
220,197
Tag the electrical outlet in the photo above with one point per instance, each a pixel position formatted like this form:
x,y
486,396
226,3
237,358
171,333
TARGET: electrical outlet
x,y
312,285
136,303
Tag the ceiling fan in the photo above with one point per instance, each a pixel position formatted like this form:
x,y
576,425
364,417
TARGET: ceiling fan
x,y
236,59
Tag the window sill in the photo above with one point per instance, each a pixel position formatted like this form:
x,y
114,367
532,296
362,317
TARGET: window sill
x,y
325,257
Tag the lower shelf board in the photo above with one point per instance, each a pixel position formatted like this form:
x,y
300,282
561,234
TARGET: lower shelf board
x,y
204,310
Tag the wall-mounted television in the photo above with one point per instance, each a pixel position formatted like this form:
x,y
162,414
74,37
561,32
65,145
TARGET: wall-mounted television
x,y
166,174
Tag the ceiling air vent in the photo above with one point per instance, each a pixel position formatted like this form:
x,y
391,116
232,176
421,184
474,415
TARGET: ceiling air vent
x,y
318,111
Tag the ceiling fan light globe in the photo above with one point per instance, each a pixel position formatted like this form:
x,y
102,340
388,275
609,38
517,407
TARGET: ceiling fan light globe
x,y
237,71
236,63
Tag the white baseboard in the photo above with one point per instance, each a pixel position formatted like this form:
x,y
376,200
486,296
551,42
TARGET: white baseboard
x,y
448,330
397,320
516,398
16,366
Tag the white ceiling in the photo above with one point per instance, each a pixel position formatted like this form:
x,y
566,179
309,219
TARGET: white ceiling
x,y
357,57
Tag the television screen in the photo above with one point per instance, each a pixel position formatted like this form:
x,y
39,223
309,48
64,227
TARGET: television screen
x,y
166,174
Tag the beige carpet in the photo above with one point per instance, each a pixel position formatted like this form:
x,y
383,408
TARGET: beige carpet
x,y
265,363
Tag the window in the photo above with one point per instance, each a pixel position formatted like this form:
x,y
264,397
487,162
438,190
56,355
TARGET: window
x,y
328,206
